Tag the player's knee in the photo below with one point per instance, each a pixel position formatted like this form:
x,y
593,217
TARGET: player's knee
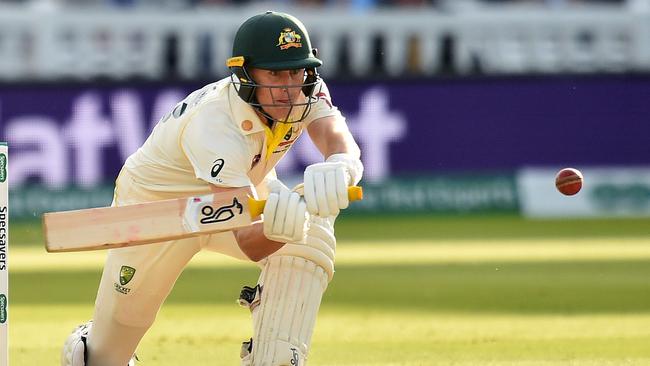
x,y
319,246
134,310
127,317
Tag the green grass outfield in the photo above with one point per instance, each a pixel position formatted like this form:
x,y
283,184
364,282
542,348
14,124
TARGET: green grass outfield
x,y
407,291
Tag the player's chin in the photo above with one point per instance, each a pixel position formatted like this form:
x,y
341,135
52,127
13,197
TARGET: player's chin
x,y
278,113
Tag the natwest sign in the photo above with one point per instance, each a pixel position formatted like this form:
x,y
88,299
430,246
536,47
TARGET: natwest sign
x,y
81,136
85,146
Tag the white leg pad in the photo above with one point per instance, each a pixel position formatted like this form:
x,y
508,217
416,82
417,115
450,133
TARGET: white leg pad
x,y
293,281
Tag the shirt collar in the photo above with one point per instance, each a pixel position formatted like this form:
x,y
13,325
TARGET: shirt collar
x,y
244,115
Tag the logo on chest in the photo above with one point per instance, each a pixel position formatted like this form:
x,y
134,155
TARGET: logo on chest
x,y
288,140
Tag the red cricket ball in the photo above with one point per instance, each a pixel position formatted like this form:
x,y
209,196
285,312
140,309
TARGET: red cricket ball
x,y
568,181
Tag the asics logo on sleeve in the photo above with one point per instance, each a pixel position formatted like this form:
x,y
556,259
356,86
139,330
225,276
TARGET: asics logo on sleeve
x,y
216,168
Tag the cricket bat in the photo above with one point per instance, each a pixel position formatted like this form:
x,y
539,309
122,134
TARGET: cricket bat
x,y
152,222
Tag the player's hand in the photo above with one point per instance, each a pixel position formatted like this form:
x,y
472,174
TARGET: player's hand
x,y
285,214
326,184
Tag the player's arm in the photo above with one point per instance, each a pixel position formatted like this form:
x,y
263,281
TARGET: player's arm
x,y
254,244
331,135
224,165
251,239
285,220
326,183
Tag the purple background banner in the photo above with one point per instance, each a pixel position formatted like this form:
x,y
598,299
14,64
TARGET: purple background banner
x,y
505,124
80,134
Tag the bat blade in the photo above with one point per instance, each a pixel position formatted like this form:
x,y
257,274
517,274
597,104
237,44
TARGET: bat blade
x,y
145,223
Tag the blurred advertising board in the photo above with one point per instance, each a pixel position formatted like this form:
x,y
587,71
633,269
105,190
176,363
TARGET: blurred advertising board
x,y
30,202
72,139
443,194
606,192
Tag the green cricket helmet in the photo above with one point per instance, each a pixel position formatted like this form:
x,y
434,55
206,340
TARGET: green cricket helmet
x,y
274,41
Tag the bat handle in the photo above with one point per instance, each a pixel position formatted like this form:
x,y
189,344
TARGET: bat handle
x,y
256,207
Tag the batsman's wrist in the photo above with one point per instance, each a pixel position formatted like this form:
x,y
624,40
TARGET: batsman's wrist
x,y
353,164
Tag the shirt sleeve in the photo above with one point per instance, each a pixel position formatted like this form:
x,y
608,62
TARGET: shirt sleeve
x,y
217,151
323,107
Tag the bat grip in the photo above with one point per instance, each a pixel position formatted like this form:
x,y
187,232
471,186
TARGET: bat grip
x,y
256,207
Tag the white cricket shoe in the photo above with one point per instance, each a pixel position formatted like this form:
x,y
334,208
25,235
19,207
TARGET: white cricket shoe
x,y
74,349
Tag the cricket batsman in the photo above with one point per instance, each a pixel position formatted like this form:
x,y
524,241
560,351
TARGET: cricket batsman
x,y
227,135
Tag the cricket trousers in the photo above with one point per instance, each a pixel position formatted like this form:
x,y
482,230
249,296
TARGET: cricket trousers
x,y
136,281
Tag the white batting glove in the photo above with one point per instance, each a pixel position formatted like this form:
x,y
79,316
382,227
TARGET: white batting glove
x,y
285,214
326,184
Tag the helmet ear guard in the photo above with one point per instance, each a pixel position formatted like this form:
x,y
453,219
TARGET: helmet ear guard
x,y
246,89
311,78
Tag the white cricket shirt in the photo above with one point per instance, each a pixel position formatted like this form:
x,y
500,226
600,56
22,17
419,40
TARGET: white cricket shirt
x,y
214,137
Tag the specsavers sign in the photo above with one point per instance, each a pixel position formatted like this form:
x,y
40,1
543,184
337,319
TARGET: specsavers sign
x,y
607,192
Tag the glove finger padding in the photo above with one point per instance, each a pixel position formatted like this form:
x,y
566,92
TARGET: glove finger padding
x,y
285,217
290,222
269,213
281,212
308,191
325,186
301,218
321,194
336,190
342,189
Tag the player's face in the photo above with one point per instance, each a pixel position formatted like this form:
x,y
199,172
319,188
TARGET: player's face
x,y
279,90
